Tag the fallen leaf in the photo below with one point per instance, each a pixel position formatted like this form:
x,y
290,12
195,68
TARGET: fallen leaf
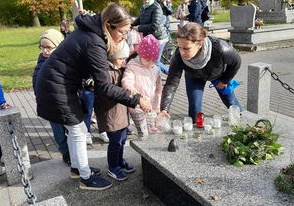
x,y
211,156
144,195
13,203
199,181
215,197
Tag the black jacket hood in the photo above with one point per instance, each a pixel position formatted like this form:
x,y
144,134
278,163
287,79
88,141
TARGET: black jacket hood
x,y
91,23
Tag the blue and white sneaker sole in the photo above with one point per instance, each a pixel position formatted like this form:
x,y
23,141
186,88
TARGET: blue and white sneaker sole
x,y
110,174
84,187
129,171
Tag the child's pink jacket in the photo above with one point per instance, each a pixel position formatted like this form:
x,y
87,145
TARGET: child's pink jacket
x,y
143,80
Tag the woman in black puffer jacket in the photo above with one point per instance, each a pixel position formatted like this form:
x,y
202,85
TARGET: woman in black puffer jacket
x,y
203,59
82,53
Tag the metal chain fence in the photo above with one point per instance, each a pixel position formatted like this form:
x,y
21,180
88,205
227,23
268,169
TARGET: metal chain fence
x,y
276,77
31,198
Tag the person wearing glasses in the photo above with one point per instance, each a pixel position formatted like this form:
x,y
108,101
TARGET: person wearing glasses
x,y
203,58
82,53
151,21
48,42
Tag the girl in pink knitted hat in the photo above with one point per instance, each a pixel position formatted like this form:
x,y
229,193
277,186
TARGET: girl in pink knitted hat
x,y
142,76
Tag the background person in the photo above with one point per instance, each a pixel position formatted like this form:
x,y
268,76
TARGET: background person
x,y
82,53
195,11
87,96
150,21
167,11
65,27
183,12
203,58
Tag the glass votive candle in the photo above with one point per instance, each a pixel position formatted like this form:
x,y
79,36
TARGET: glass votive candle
x,y
177,127
234,115
207,128
217,121
208,121
188,124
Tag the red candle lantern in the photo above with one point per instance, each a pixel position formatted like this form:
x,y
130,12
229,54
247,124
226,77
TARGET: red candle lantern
x,y
200,120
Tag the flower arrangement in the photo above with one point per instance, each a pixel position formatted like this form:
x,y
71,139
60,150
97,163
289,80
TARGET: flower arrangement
x,y
251,144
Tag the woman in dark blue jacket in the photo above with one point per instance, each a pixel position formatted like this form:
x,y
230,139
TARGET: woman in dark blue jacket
x,y
82,53
195,9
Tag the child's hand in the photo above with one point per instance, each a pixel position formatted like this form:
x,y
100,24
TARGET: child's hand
x,y
164,113
5,106
145,105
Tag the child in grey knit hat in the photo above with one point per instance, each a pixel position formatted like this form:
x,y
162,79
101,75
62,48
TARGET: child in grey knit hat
x,y
113,117
48,42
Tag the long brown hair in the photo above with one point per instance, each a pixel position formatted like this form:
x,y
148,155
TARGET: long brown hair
x,y
114,15
192,32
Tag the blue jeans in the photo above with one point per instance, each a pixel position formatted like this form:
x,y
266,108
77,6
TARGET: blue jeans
x,y
88,97
195,88
161,66
59,133
115,151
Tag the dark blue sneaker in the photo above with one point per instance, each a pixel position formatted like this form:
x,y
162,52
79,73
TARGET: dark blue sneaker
x,y
117,174
127,168
95,183
75,174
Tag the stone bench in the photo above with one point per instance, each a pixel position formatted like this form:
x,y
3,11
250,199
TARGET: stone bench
x,y
254,38
172,175
13,116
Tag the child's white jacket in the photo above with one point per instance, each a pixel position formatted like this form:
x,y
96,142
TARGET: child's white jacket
x,y
146,81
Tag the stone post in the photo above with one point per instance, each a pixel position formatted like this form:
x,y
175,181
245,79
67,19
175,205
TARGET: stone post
x,y
13,115
258,88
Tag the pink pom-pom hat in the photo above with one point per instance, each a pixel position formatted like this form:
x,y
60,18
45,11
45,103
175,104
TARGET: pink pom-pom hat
x,y
149,48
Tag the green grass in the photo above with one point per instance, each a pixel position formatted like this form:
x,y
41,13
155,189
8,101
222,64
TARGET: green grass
x,y
221,16
18,56
19,52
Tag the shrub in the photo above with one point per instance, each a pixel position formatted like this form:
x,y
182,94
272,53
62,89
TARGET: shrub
x,y
285,181
12,14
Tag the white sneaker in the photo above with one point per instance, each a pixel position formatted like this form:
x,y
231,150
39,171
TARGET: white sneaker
x,y
103,137
93,119
2,170
89,139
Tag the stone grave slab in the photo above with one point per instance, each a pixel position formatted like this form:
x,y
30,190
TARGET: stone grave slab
x,y
172,175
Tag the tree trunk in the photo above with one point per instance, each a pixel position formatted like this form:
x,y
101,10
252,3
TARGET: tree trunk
x,y
35,19
62,15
